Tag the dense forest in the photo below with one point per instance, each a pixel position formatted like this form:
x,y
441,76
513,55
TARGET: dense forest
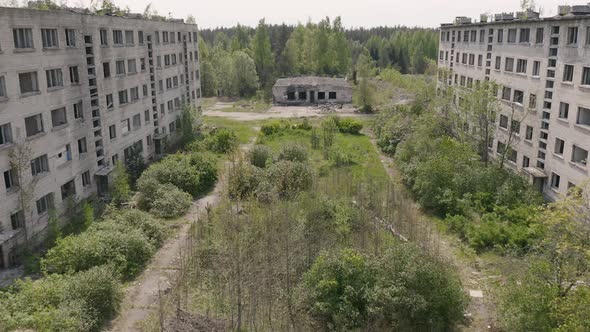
x,y
240,61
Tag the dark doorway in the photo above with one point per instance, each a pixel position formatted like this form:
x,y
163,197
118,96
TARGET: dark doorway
x,y
312,96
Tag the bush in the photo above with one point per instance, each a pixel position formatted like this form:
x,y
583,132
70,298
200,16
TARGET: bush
x,y
221,140
127,251
193,173
242,180
260,156
152,227
293,152
349,126
79,302
340,157
289,178
170,202
403,289
273,127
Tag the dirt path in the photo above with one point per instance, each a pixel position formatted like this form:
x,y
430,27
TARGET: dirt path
x,y
481,311
142,296
278,112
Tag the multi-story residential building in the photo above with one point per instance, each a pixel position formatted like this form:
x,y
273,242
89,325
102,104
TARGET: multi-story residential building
x,y
77,92
542,69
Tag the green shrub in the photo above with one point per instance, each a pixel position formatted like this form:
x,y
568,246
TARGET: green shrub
x,y
289,178
293,152
221,140
127,251
350,126
243,179
272,128
260,156
340,157
147,187
79,302
206,165
170,202
315,139
457,224
152,227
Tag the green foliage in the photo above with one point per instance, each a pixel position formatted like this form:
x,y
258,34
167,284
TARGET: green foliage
x,y
260,156
152,227
120,190
274,127
134,163
403,289
246,77
329,127
349,126
128,251
290,177
193,173
552,294
337,290
391,126
315,139
243,180
87,215
170,202
78,302
341,157
293,152
221,140
262,54
189,124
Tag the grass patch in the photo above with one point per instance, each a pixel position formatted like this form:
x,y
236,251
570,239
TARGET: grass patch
x,y
366,160
244,130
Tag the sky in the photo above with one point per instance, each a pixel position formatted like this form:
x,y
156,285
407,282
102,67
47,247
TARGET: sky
x,y
359,13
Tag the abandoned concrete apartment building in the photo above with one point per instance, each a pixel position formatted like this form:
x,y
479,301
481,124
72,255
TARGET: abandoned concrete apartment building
x,y
78,91
311,90
542,68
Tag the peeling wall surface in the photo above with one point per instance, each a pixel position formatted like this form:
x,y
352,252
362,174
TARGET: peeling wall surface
x,y
311,91
160,73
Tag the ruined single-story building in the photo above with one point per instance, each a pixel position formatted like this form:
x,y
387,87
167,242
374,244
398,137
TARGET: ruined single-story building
x,y
311,90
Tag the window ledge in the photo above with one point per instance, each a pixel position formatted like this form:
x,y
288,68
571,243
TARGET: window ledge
x,y
40,176
24,50
579,166
118,45
104,46
3,99
37,135
120,75
28,94
584,87
49,49
71,47
126,134
536,77
528,141
55,88
571,84
60,127
563,121
582,126
558,156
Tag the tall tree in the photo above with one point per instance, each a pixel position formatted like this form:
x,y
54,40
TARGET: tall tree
x,y
262,54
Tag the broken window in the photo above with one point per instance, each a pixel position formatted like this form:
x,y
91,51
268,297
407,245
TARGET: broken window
x,y
332,95
321,95
303,95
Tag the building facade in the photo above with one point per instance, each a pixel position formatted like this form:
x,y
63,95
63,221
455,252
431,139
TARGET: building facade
x,y
542,69
311,90
77,93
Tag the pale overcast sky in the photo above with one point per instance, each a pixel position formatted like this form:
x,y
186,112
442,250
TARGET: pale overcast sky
x,y
366,13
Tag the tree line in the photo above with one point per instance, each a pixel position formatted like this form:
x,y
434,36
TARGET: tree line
x,y
241,60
